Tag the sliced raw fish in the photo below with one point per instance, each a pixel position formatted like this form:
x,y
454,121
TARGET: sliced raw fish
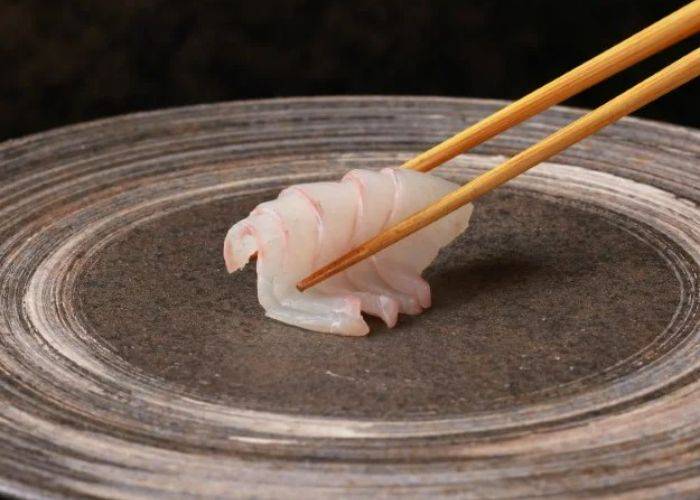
x,y
309,225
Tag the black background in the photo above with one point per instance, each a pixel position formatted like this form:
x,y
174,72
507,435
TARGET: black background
x,y
69,61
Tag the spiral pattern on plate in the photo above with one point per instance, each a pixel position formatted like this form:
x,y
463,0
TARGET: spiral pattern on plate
x,y
75,418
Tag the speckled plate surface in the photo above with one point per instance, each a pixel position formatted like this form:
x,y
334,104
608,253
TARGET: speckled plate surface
x,y
561,356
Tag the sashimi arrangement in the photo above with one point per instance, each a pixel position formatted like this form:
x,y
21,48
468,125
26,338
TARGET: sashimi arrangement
x,y
309,225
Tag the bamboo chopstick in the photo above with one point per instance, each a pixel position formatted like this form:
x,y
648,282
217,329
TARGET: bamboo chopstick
x,y
669,78
671,29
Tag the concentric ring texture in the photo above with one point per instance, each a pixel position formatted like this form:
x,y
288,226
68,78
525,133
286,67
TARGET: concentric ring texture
x,y
79,416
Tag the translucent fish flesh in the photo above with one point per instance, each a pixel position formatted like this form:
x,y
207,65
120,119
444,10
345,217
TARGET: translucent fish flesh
x,y
309,225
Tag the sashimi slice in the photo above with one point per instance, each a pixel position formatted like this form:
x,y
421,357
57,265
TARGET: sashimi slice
x,y
309,225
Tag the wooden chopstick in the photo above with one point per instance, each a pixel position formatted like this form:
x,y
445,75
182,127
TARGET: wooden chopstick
x,y
671,29
669,78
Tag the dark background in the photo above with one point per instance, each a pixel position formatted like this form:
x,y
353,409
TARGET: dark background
x,y
69,61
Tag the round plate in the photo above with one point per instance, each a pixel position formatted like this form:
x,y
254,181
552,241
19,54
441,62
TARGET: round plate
x,y
560,356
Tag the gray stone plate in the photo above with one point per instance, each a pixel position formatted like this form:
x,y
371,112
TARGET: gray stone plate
x,y
560,356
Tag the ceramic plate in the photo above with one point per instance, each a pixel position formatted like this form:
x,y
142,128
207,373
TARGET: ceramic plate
x,y
560,357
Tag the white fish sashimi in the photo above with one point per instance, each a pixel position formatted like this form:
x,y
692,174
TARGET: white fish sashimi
x,y
310,225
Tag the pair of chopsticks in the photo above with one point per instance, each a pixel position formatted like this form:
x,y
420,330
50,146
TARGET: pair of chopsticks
x,y
677,26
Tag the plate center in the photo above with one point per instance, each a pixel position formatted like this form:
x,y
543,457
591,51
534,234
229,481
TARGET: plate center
x,y
538,299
